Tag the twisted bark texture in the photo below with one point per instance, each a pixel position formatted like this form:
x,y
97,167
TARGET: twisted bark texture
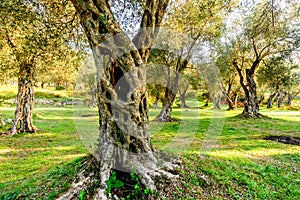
x,y
251,105
25,100
124,137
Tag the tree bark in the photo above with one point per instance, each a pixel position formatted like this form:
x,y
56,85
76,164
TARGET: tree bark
x,y
93,97
183,98
232,101
217,103
169,99
23,121
251,106
291,96
270,100
124,138
281,98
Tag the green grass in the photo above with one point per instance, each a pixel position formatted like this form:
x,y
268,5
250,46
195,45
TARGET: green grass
x,y
228,150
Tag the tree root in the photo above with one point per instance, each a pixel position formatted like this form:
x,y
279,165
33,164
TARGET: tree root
x,y
253,116
156,176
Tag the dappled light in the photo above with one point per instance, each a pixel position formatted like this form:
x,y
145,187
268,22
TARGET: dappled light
x,y
149,99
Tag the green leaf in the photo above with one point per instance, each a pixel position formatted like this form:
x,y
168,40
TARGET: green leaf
x,y
82,195
118,184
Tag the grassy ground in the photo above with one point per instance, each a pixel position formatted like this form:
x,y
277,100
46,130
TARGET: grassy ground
x,y
225,157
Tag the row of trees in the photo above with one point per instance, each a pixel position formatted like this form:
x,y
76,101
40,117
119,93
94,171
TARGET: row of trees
x,y
39,37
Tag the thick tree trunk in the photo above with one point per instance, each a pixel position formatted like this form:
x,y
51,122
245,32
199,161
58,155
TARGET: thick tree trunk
x,y
251,106
124,139
25,100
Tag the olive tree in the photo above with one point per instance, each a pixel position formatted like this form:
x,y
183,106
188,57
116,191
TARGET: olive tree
x,y
124,137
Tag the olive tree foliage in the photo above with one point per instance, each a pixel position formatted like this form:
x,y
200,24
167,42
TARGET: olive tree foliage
x,y
279,77
32,40
267,30
197,23
86,81
230,87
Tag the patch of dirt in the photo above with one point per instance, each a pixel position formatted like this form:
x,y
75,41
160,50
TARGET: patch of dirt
x,y
284,139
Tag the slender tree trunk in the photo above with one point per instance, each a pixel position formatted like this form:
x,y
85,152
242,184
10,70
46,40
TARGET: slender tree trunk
x,y
291,96
183,98
218,103
270,100
67,86
231,97
25,100
281,98
206,103
155,104
289,99
232,103
262,97
276,97
93,97
169,99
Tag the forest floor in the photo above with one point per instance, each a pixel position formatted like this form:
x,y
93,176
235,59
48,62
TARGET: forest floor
x,y
224,156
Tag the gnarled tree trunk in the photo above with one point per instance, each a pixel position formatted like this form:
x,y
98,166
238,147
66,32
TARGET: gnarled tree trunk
x,y
124,137
25,100
232,103
251,106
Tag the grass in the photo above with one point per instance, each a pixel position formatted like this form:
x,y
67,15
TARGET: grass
x,y
229,151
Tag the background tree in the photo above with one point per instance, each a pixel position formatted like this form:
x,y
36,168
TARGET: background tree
x,y
278,77
265,32
31,31
87,78
230,85
199,22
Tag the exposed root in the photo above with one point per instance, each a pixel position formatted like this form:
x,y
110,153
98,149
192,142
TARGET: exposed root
x,y
12,133
253,116
165,119
77,187
155,176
